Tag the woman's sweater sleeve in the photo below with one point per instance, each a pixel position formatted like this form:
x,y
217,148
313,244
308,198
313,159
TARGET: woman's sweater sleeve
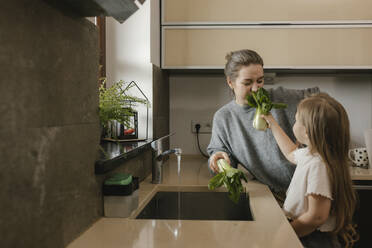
x,y
219,142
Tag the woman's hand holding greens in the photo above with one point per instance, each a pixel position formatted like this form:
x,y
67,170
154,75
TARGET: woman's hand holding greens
x,y
230,178
213,160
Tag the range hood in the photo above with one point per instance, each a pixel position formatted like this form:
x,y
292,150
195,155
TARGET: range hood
x,y
118,9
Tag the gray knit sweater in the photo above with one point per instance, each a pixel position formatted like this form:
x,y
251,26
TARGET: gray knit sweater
x,y
257,151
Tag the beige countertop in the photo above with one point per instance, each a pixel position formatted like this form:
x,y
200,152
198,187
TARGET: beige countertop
x,y
269,228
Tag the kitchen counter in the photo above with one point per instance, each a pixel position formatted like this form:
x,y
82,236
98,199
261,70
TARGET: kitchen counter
x,y
270,227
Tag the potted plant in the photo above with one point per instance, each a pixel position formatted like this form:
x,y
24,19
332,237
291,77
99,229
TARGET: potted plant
x,y
116,105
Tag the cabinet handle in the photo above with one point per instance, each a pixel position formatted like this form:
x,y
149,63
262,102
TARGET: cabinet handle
x,y
363,187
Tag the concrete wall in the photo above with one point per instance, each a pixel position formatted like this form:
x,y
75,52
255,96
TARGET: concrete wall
x,y
49,128
198,96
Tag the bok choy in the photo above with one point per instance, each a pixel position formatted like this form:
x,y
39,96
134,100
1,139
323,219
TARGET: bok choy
x,y
230,178
262,102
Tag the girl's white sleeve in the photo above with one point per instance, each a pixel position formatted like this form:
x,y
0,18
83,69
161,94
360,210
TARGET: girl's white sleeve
x,y
318,181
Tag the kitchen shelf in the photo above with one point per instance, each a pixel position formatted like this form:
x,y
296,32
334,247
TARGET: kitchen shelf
x,y
113,154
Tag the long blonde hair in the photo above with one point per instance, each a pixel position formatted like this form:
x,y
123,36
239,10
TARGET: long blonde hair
x,y
327,126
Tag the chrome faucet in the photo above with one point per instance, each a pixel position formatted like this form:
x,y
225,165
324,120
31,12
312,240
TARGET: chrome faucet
x,y
158,158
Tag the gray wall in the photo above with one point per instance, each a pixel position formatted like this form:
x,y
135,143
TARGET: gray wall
x,y
198,96
49,128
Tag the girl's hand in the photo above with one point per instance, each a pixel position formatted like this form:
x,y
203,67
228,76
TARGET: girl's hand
x,y
213,160
285,144
269,119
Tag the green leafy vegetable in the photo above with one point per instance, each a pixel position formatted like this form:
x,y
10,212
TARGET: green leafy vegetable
x,y
115,103
230,178
261,100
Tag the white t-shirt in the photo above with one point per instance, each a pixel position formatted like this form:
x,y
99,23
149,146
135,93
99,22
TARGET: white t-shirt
x,y
310,177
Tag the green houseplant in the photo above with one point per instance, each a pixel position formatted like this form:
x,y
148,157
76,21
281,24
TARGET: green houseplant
x,y
115,104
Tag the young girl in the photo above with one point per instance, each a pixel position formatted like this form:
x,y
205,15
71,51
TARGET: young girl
x,y
320,199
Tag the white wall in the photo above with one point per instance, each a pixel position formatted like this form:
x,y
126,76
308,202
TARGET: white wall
x,y
128,57
197,97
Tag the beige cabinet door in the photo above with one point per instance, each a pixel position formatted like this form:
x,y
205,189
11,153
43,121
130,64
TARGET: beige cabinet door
x,y
261,11
282,47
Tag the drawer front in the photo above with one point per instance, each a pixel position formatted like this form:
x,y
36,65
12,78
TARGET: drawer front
x,y
248,11
282,47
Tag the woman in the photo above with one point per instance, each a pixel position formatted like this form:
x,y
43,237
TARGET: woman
x,y
233,136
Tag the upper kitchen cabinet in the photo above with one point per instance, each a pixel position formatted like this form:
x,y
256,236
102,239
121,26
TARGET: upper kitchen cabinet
x,y
281,46
289,34
265,11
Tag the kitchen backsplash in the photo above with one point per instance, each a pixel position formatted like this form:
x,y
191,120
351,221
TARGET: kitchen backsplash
x,y
198,96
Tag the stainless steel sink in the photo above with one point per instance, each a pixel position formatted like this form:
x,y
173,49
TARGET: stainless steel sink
x,y
196,206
